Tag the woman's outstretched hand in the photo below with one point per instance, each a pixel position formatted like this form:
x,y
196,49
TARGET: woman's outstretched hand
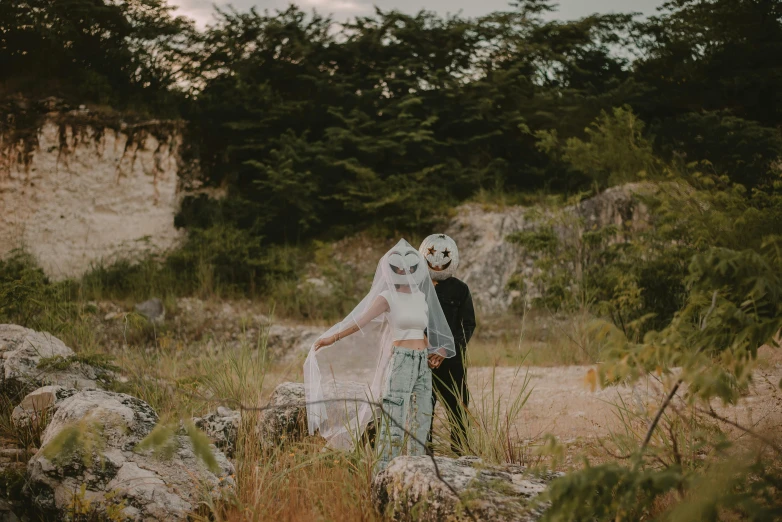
x,y
324,341
435,360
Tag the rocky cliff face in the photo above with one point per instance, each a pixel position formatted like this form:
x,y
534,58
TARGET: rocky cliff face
x,y
75,193
487,260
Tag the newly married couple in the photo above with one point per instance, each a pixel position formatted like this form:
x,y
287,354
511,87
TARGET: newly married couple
x,y
408,335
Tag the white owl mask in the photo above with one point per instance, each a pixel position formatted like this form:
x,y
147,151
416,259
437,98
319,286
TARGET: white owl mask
x,y
405,266
441,255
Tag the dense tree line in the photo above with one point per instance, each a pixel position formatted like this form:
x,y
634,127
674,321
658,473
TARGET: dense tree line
x,y
130,55
391,119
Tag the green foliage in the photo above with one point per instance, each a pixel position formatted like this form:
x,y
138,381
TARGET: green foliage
x,y
315,127
201,446
164,443
333,296
734,488
615,150
392,118
608,492
748,489
691,298
161,440
128,54
29,298
598,270
80,440
96,360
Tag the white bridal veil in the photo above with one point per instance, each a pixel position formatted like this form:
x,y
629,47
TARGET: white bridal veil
x,y
341,378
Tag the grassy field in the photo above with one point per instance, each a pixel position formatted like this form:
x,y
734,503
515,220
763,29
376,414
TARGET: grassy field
x,y
213,351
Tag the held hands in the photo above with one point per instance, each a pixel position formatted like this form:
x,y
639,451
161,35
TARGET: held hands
x,y
435,360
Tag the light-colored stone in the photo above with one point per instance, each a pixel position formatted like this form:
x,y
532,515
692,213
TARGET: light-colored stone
x,y
316,285
21,352
153,488
409,489
222,426
488,261
287,342
89,194
286,416
39,406
153,310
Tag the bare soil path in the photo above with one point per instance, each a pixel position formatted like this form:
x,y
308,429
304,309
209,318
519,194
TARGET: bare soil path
x,y
563,403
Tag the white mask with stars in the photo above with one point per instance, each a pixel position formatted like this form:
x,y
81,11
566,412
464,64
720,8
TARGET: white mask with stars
x,y
441,255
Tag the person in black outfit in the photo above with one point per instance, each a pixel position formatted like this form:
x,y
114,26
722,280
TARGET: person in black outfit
x,y
450,376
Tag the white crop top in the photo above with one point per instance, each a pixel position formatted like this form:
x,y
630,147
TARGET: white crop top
x,y
409,315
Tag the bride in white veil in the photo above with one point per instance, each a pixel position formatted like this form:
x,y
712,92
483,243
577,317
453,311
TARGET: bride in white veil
x,y
376,353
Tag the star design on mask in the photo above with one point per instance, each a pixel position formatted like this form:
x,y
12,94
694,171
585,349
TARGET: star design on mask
x,y
446,253
431,251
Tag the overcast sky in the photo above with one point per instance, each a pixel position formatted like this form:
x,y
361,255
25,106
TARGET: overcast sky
x,y
201,10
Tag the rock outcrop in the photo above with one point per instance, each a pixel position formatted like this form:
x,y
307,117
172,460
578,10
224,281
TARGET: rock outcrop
x,y
286,416
286,342
90,449
488,261
153,310
409,489
30,359
222,426
90,187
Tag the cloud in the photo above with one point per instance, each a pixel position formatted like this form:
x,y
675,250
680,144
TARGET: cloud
x,y
199,10
202,10
328,6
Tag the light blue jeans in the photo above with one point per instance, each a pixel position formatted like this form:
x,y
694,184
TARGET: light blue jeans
x,y
407,405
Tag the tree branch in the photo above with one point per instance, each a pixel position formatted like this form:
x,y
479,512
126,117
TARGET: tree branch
x,y
676,386
658,416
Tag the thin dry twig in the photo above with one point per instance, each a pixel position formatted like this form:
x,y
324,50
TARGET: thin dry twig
x,y
711,413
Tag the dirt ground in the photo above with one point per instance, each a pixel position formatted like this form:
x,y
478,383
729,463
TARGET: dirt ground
x,y
561,400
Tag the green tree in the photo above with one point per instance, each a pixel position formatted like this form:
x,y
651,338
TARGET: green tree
x,y
127,54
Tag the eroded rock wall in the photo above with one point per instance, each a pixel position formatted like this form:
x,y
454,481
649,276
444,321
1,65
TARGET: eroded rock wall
x,y
487,260
88,193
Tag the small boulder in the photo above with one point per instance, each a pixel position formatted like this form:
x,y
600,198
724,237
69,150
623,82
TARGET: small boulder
x,y
286,416
222,426
91,443
491,493
153,310
286,343
39,406
30,359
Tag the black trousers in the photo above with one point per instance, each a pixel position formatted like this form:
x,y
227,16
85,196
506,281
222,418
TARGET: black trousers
x,y
449,384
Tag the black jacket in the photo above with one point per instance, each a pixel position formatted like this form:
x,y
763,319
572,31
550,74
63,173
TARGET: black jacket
x,y
456,302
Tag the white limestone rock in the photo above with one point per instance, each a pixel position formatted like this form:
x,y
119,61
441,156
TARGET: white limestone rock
x,y
286,416
112,469
488,261
22,352
409,489
222,426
